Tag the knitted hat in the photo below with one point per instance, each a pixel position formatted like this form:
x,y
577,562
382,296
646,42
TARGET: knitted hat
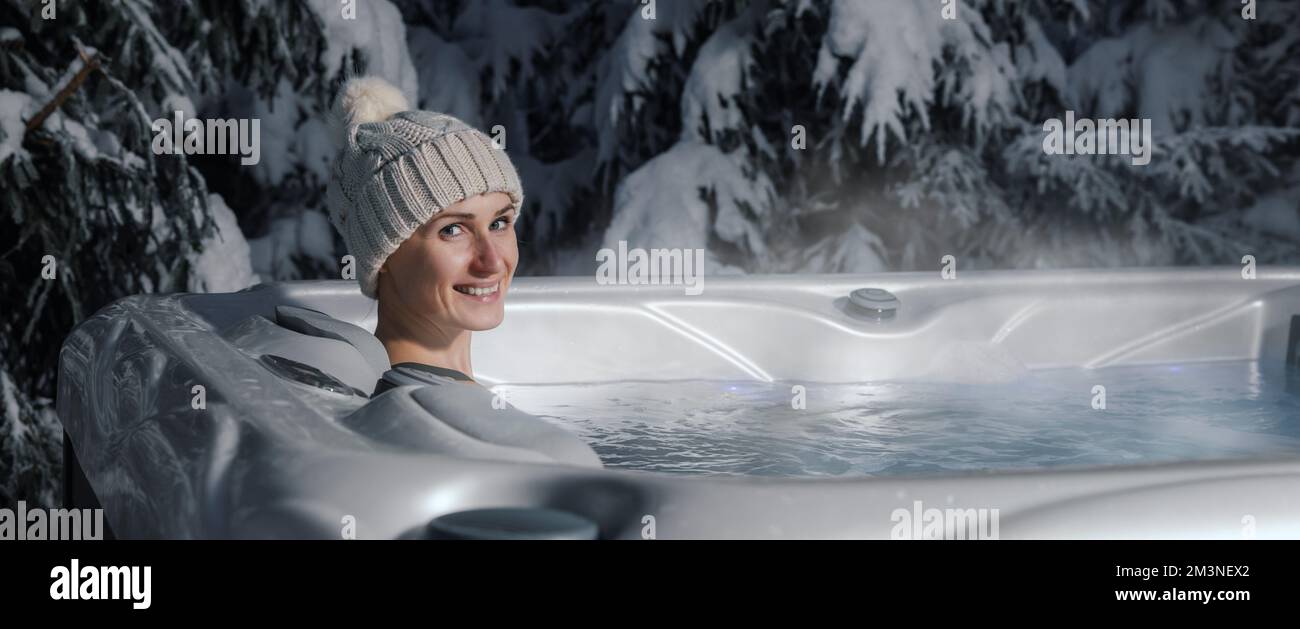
x,y
396,169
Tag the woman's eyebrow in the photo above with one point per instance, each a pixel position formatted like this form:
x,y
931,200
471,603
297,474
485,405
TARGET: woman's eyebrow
x,y
468,215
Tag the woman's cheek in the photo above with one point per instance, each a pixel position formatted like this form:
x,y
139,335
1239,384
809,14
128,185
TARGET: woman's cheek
x,y
445,264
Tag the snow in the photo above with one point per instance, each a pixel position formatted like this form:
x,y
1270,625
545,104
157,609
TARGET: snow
x,y
723,60
1170,66
448,78
659,205
1277,214
496,32
294,132
30,438
223,264
75,131
625,68
892,46
81,138
549,189
13,114
1174,69
316,236
855,250
34,86
10,400
304,232
168,63
178,102
621,72
1038,59
90,143
282,138
378,31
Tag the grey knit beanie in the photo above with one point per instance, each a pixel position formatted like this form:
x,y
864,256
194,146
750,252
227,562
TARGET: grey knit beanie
x,y
397,168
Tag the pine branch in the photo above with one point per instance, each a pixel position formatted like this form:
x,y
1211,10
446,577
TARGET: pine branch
x,y
88,64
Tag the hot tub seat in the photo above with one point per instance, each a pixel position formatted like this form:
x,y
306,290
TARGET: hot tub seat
x,y
462,420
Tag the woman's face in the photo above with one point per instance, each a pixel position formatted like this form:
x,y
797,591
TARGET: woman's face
x,y
455,269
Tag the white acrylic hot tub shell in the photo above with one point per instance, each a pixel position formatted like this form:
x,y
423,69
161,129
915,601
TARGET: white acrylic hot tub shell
x,y
787,328
784,328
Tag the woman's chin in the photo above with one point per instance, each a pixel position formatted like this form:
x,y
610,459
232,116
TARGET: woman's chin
x,y
481,321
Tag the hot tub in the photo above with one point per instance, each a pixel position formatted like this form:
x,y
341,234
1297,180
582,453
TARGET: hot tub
x,y
189,422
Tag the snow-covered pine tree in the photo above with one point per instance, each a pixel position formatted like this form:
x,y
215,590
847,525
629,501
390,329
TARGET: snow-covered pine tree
x,y
280,201
532,68
1221,94
924,135
88,213
673,124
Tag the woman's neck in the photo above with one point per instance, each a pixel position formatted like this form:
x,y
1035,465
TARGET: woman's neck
x,y
412,340
452,356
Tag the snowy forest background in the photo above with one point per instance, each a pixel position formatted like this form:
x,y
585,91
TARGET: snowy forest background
x,y
923,139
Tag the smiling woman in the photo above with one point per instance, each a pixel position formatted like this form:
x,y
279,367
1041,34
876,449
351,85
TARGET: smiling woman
x,y
447,280
427,205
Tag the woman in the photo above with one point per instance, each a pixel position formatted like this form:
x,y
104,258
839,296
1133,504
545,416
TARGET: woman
x,y
427,206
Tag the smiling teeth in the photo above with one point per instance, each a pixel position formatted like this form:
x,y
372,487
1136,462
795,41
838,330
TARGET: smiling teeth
x,y
478,292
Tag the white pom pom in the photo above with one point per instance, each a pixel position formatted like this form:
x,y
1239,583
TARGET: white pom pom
x,y
368,99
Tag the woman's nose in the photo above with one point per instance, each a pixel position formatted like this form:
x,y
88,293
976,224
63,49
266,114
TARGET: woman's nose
x,y
487,259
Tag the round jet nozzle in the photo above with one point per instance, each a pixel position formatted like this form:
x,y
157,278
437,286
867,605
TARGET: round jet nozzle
x,y
512,523
876,303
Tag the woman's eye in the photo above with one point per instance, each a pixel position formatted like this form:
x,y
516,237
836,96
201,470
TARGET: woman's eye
x,y
499,224
447,231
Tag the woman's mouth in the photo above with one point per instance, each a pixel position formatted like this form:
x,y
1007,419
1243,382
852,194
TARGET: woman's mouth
x,y
483,293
